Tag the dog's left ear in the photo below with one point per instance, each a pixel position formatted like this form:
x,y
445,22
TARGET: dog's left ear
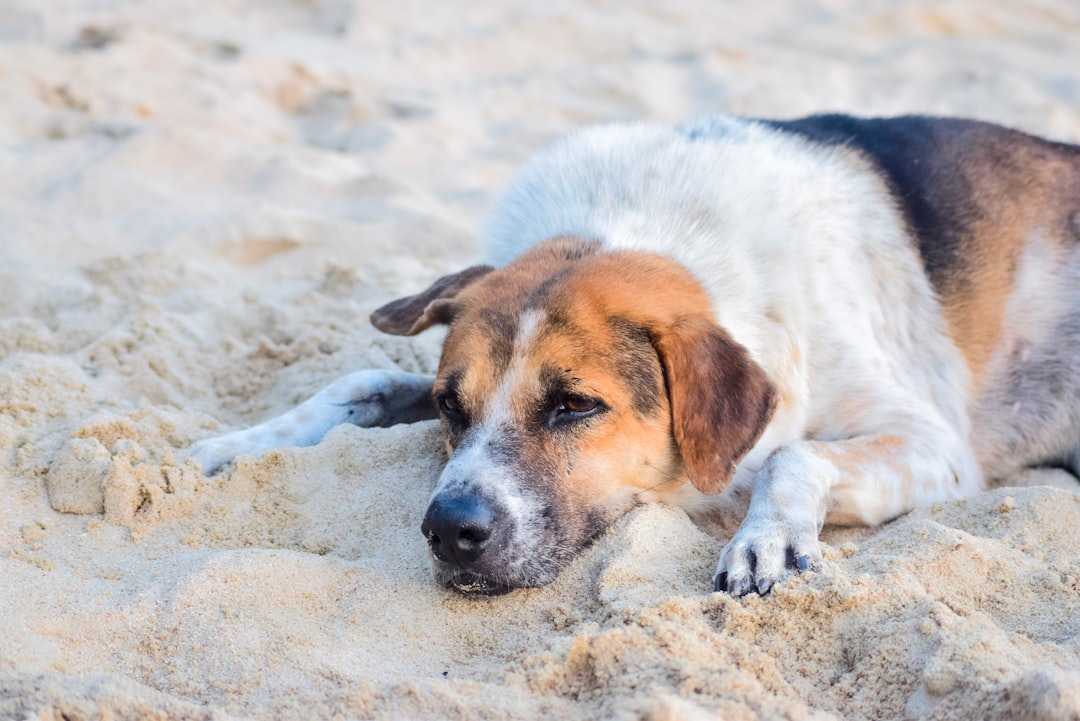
x,y
721,400
434,306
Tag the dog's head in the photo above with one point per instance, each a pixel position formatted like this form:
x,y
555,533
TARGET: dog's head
x,y
573,384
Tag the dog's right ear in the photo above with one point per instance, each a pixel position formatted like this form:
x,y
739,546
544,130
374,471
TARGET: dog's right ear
x,y
721,400
434,306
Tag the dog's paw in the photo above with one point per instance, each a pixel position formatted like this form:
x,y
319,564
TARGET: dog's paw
x,y
764,552
213,454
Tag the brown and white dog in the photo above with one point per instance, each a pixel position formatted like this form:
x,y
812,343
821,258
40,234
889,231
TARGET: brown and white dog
x,y
842,318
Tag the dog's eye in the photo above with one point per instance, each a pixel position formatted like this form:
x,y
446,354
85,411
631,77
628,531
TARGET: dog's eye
x,y
578,404
449,405
575,408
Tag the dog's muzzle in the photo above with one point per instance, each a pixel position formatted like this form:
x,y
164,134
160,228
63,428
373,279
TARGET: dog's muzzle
x,y
459,529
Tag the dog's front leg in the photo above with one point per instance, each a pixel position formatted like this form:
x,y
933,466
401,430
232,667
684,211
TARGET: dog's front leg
x,y
365,398
865,480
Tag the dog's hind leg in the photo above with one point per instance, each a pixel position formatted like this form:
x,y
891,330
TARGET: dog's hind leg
x,y
366,398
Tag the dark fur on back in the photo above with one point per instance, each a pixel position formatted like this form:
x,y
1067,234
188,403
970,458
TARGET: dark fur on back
x,y
942,171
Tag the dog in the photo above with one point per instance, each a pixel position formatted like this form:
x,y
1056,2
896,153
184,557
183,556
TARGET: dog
x,y
839,318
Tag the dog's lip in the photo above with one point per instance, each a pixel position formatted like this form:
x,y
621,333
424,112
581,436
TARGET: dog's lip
x,y
473,585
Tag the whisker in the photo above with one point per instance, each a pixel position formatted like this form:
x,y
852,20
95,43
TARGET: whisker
x,y
669,478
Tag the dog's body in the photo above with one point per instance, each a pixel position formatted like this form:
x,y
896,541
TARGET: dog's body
x,y
842,318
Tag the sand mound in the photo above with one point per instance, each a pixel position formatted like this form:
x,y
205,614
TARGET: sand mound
x,y
202,203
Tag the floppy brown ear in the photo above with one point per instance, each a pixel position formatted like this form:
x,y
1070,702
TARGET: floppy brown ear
x,y
436,305
721,400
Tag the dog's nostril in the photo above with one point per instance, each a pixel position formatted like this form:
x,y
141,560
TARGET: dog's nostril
x,y
473,534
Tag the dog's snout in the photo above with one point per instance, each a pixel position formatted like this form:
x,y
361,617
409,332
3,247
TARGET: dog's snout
x,y
459,528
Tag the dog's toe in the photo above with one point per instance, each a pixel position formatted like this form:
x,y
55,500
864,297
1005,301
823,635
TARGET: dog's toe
x,y
720,582
764,585
805,563
740,586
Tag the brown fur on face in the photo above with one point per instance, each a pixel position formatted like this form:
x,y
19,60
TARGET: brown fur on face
x,y
679,398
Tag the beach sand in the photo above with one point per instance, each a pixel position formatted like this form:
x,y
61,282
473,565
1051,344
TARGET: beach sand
x,y
201,203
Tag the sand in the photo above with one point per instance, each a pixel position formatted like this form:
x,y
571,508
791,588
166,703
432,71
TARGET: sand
x,y
200,203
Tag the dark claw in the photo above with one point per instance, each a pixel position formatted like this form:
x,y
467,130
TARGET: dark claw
x,y
764,585
804,564
720,582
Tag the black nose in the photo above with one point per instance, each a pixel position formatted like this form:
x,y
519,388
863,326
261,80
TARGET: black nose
x,y
458,528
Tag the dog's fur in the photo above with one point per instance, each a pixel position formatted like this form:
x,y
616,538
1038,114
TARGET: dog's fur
x,y
841,318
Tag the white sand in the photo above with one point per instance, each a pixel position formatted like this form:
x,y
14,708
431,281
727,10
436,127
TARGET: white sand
x,y
200,203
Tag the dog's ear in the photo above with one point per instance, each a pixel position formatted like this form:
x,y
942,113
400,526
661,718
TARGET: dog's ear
x,y
434,306
721,400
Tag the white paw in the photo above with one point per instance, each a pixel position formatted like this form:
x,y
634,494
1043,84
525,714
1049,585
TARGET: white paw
x,y
765,551
212,454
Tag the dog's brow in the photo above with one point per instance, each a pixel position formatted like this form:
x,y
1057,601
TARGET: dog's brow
x,y
558,320
554,382
452,383
501,329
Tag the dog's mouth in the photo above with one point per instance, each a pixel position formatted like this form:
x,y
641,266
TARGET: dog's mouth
x,y
473,585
